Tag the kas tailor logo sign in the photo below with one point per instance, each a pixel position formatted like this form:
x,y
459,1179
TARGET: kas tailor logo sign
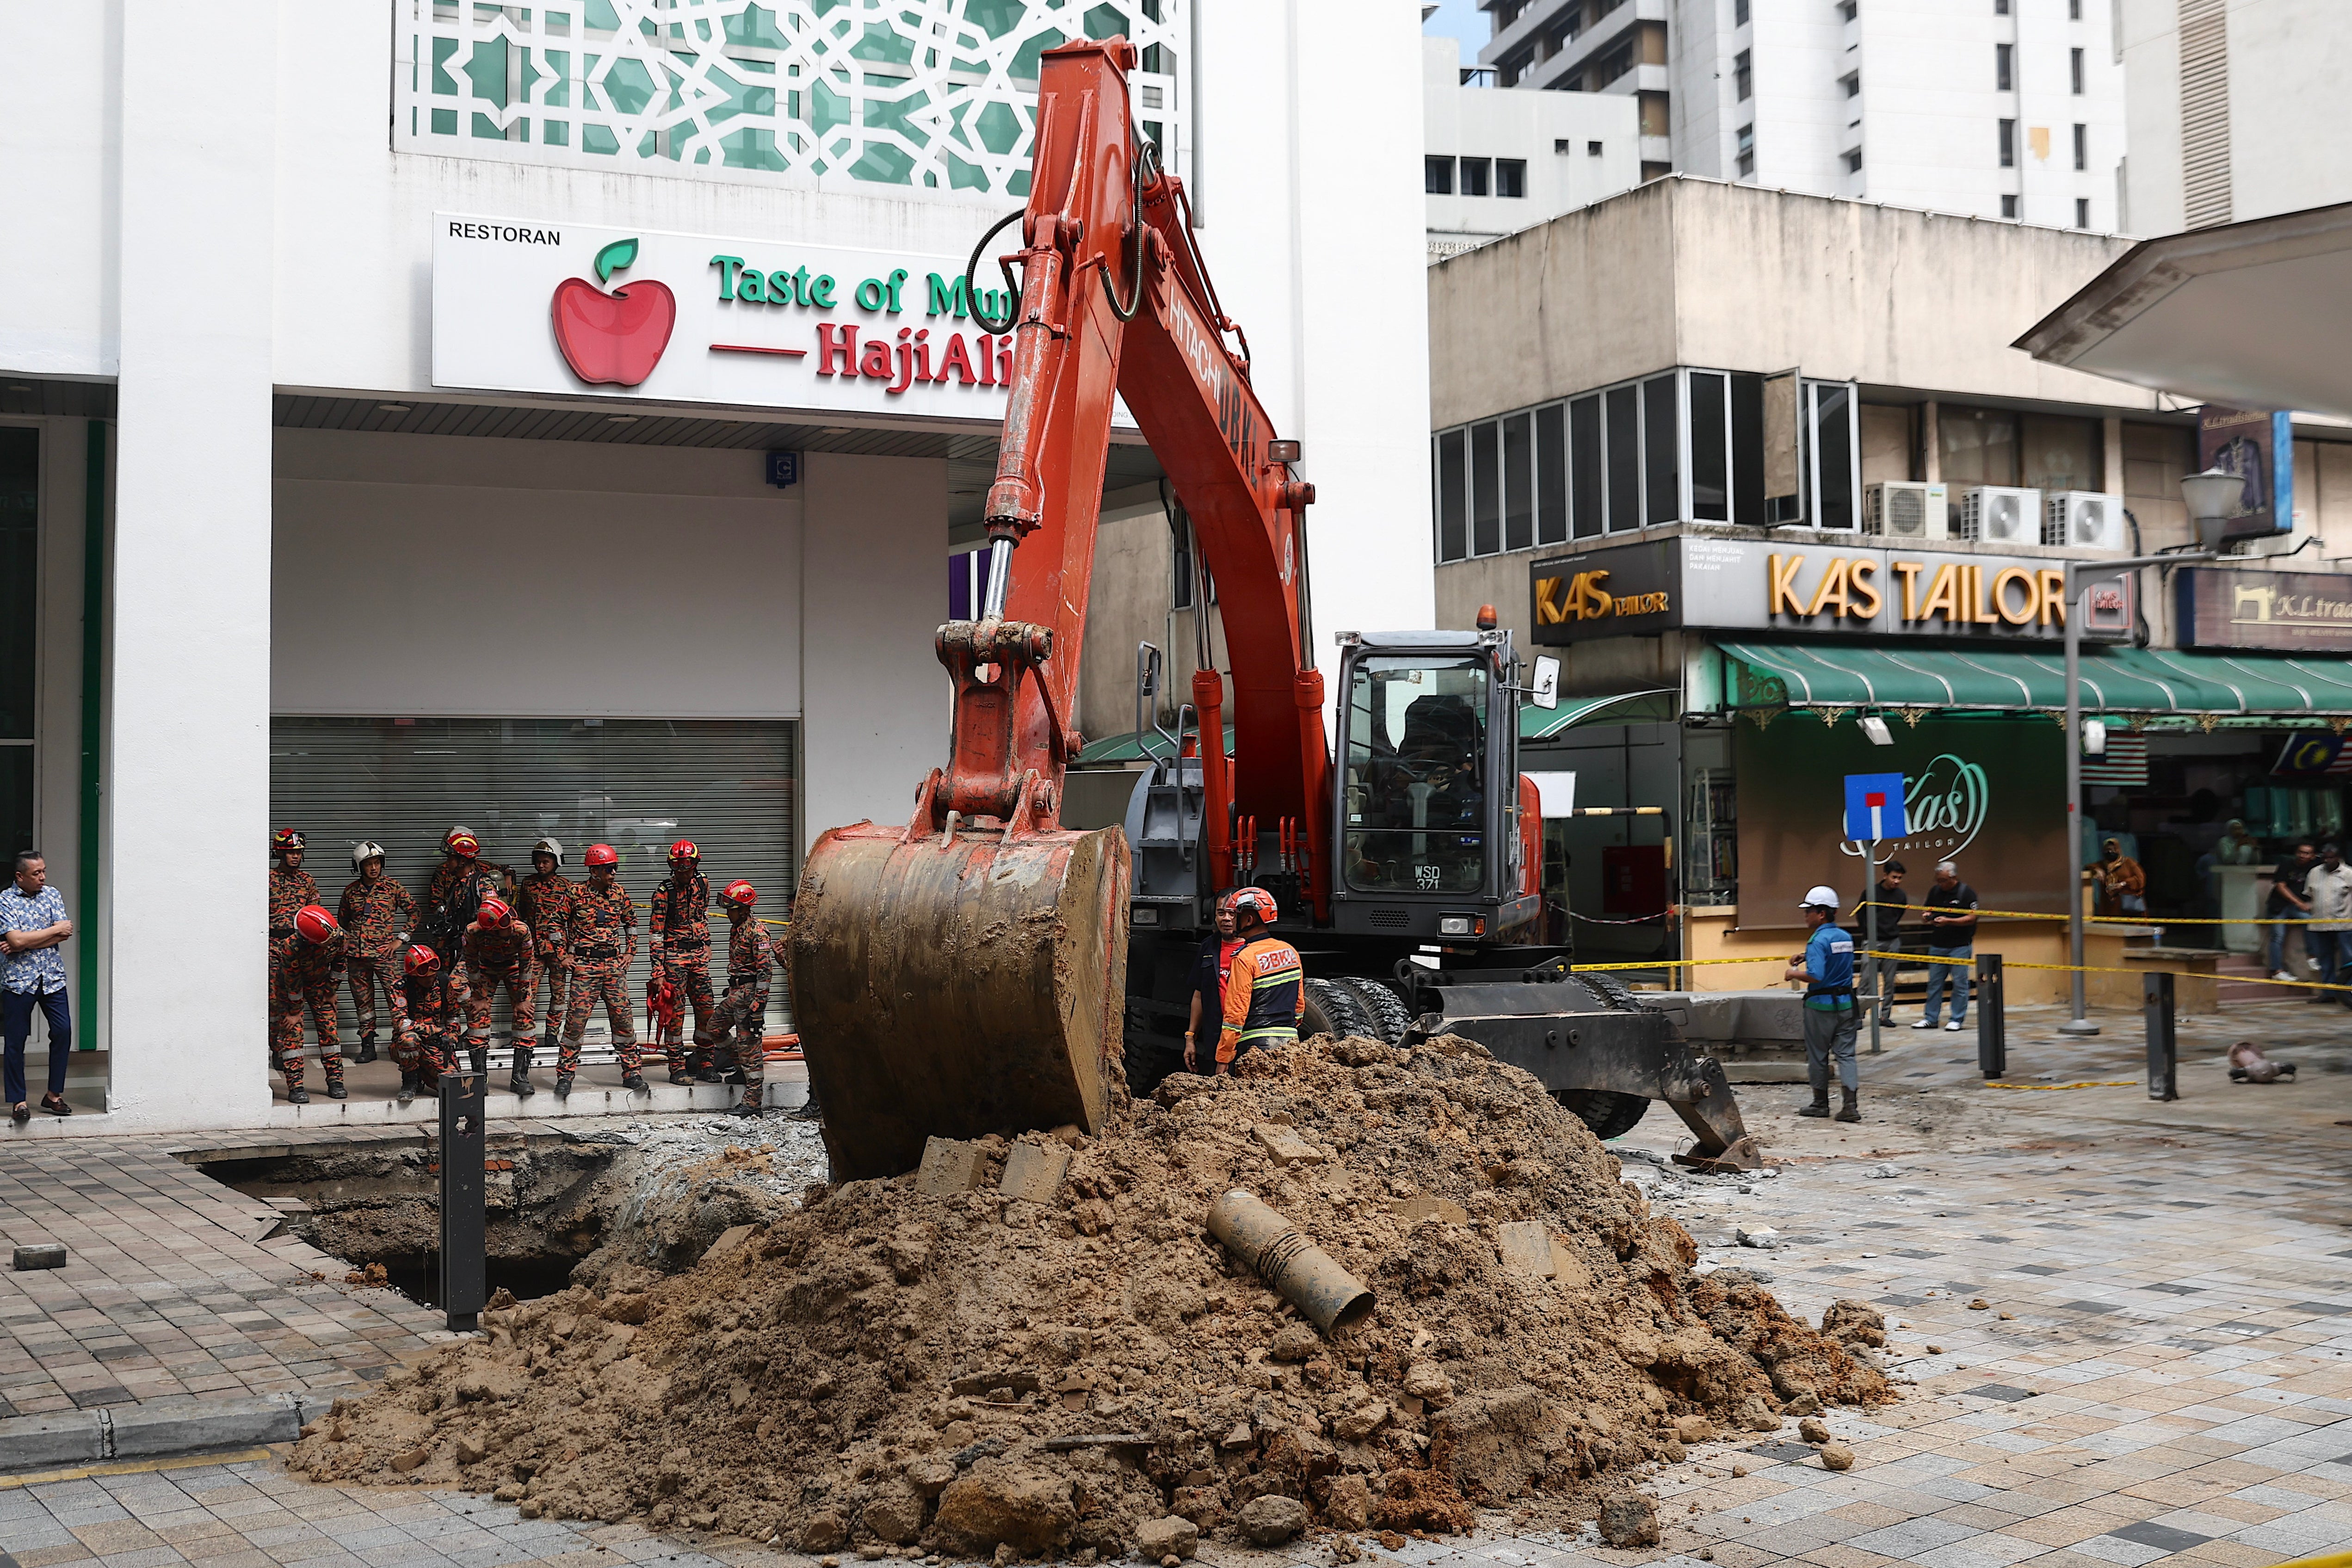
x,y
630,314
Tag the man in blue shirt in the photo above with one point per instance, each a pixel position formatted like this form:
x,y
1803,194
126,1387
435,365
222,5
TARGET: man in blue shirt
x,y
33,925
1826,966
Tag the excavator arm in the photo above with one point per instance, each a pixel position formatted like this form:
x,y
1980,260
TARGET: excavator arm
x,y
966,974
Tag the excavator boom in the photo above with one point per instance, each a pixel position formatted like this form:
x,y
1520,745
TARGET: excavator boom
x,y
964,972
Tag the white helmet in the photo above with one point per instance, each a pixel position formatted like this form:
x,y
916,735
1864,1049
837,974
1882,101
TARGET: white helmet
x,y
366,849
1821,898
548,846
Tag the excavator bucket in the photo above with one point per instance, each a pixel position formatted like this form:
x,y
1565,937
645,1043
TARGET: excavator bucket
x,y
957,984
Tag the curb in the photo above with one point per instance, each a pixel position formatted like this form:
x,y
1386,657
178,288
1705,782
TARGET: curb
x,y
150,1431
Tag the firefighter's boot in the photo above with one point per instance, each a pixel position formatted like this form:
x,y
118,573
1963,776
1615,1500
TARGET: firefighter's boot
x,y
519,1081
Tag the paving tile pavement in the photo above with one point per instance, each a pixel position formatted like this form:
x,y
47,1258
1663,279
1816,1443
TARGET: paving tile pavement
x,y
2162,1372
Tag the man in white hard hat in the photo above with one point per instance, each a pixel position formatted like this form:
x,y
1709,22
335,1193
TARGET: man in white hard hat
x,y
1826,966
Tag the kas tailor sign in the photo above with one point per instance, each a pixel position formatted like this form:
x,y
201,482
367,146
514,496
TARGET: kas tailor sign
x,y
637,313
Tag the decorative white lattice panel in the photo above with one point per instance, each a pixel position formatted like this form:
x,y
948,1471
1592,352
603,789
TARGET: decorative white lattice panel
x,y
936,94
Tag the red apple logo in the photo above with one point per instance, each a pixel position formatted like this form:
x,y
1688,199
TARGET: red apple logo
x,y
614,339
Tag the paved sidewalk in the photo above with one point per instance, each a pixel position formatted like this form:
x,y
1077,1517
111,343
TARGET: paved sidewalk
x,y
2173,1381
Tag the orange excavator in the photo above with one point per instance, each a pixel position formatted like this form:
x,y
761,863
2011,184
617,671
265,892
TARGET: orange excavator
x,y
969,971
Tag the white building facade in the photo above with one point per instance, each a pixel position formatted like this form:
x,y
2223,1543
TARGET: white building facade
x,y
2237,110
399,440
1498,159
1995,109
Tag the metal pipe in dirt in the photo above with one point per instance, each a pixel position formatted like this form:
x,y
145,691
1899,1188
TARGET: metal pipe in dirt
x,y
1303,1274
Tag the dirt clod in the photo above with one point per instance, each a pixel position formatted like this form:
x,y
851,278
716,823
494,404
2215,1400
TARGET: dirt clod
x,y
1836,1457
1854,1322
1813,1429
1628,1519
956,1372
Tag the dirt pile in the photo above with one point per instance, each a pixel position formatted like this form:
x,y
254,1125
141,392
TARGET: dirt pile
x,y
974,1372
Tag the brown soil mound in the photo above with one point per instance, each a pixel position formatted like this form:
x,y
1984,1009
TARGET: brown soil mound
x,y
974,1371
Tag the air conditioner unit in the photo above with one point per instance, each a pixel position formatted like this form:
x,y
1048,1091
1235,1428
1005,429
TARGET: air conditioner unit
x,y
1904,510
1999,515
2083,519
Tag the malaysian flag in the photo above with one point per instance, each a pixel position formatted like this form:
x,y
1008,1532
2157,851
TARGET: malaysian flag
x,y
2312,755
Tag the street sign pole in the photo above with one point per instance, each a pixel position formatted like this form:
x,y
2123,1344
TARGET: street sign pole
x,y
1870,930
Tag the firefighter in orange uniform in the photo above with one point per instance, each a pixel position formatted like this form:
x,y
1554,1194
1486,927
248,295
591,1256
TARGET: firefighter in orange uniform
x,y
1266,994
499,953
751,964
601,938
428,1012
309,973
680,927
543,900
376,915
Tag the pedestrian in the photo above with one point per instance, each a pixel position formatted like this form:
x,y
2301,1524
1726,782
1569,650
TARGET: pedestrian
x,y
2123,883
427,1017
2328,886
1951,910
544,903
499,953
1882,923
2290,901
377,916
600,933
1210,967
679,926
751,964
1266,994
33,927
1831,1020
308,974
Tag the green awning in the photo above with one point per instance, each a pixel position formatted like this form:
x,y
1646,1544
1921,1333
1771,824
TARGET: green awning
x,y
1621,708
2114,680
1112,750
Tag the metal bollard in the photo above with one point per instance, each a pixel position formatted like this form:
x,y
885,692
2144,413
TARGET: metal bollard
x,y
2163,1054
465,1147
1992,1036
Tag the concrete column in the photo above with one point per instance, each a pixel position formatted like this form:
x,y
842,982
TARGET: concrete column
x,y
874,589
2111,459
1931,447
188,757
56,829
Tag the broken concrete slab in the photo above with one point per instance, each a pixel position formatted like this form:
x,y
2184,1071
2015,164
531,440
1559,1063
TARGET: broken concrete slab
x,y
950,1166
31,1442
180,1426
1285,1146
1034,1173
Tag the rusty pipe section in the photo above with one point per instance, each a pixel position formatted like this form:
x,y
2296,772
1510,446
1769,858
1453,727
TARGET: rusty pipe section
x,y
1302,1273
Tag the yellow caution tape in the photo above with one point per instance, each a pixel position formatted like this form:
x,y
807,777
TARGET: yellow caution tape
x,y
2333,1559
2087,1083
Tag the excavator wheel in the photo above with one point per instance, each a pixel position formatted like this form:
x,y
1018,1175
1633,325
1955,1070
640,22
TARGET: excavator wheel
x,y
1607,1112
1333,1009
955,986
1383,1007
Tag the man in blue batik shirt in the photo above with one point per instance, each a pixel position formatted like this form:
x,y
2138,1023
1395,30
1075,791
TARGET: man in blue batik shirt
x,y
33,925
1826,966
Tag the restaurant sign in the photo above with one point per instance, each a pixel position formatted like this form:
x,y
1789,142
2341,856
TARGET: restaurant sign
x,y
2301,612
1703,582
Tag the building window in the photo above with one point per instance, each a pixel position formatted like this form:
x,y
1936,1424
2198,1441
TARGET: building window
x,y
1661,472
1743,79
2000,8
1510,176
1854,162
2005,67
1437,177
1830,452
2008,206
1747,150
2074,65
2007,147
1515,68
1518,482
1584,467
1179,539
1851,82
1508,12
2082,211
1593,148
2082,147
1474,176
1452,498
1850,10
2073,10
1612,65
1551,474
1486,488
1740,13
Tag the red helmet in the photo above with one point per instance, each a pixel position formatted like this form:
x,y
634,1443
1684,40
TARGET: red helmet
x,y
314,922
1252,901
741,893
286,838
461,843
684,849
493,912
420,959
602,855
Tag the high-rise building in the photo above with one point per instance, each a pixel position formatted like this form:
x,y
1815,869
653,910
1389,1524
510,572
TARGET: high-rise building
x,y
1496,160
1996,109
2237,110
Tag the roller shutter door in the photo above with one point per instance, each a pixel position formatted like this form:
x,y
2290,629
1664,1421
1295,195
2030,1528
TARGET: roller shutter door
x,y
637,784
